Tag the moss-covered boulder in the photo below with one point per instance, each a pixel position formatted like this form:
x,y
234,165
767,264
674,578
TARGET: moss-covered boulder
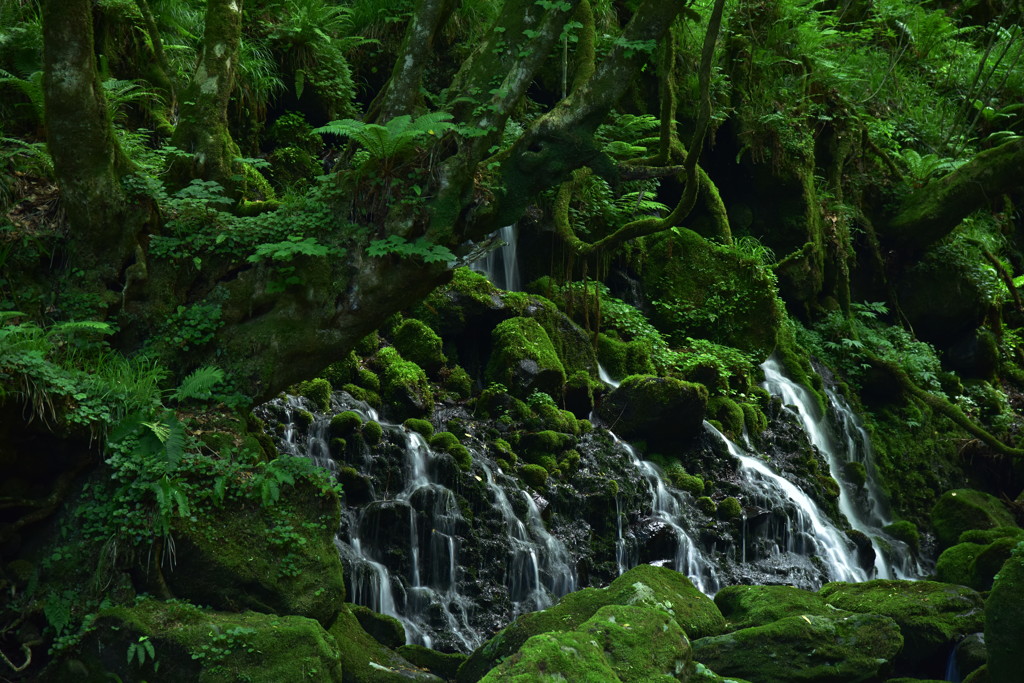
x,y
441,664
960,510
1004,621
976,560
278,559
619,643
705,290
932,616
663,411
175,641
624,358
524,359
644,586
385,629
419,344
746,606
812,648
405,388
364,660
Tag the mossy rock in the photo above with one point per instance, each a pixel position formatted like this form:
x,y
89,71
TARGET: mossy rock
x,y
644,586
344,424
193,644
534,475
385,629
905,531
709,291
959,510
728,413
232,557
1004,621
812,648
932,616
747,606
421,427
318,391
372,432
364,660
468,297
405,388
442,664
524,359
619,643
665,412
729,509
956,564
571,343
623,358
684,481
419,344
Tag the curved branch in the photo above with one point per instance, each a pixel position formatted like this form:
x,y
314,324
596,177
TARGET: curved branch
x,y
944,407
932,212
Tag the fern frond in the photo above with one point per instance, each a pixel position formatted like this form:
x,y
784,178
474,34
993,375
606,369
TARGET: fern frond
x,y
199,384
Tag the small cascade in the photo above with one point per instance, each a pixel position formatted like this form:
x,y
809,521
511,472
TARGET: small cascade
x,y
795,525
314,446
501,265
843,443
668,508
540,569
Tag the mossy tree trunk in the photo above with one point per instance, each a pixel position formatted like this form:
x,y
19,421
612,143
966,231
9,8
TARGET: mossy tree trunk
x,y
202,133
88,162
932,212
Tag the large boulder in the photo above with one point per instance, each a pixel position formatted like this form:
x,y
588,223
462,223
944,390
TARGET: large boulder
x,y
176,641
619,643
977,558
405,388
279,559
932,617
524,359
1004,621
960,510
704,290
365,660
643,586
663,411
746,606
812,648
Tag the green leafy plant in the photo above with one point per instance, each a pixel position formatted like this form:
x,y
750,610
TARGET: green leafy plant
x,y
141,650
421,247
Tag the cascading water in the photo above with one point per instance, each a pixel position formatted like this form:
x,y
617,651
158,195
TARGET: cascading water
x,y
501,265
865,509
794,527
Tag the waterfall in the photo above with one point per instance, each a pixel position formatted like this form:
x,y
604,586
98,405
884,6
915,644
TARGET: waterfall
x,y
501,265
847,442
795,525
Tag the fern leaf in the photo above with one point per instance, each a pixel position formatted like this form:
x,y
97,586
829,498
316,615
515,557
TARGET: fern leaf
x,y
341,127
174,444
199,384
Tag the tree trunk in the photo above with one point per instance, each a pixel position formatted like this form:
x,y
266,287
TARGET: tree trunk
x,y
935,210
203,130
87,160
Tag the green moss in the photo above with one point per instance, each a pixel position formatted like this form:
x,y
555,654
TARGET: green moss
x,y
372,432
318,391
706,505
365,395
962,509
419,344
343,371
729,509
365,660
459,382
304,419
422,427
664,411
463,458
754,418
193,644
524,360
385,629
811,648
441,664
905,531
405,388
643,586
345,423
534,475
932,616
623,358
368,345
557,420
955,564
684,481
368,379
1004,620
728,413
857,475
746,606
444,441
714,293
